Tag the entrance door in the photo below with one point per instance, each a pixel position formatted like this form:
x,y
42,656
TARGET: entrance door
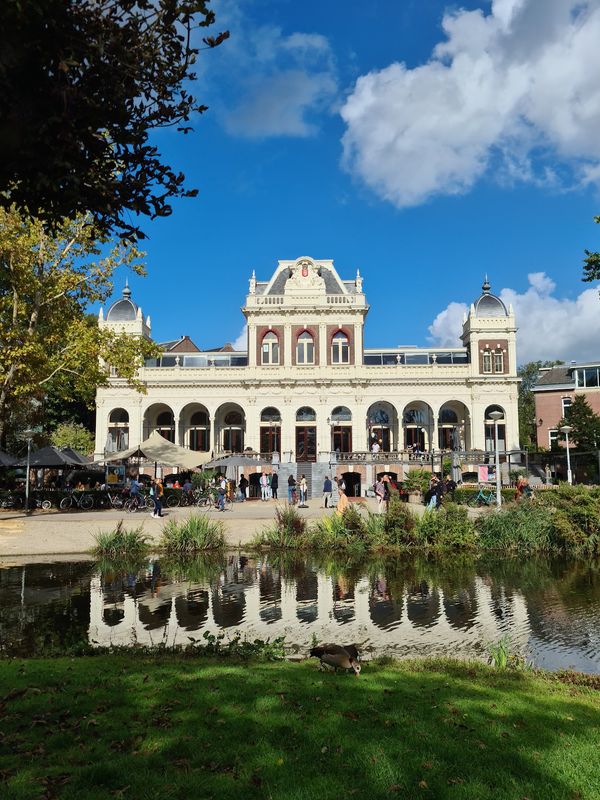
x,y
270,439
306,443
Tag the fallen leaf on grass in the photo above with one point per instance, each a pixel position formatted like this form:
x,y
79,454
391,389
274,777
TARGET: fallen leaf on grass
x,y
423,785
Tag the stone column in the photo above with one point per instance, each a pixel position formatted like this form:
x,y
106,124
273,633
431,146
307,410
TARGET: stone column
x,y
287,344
323,346
251,344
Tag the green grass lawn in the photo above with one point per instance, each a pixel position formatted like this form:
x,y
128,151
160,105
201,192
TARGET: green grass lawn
x,y
175,727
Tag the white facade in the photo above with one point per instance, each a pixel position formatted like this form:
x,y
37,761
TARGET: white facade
x,y
307,387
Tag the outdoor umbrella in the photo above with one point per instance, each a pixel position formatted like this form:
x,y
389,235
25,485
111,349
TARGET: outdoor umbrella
x,y
49,457
233,460
76,456
6,460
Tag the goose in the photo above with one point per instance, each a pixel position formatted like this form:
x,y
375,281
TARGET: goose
x,y
337,656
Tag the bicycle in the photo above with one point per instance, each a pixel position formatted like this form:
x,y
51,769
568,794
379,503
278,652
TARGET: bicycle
x,y
138,502
42,502
12,501
83,501
483,498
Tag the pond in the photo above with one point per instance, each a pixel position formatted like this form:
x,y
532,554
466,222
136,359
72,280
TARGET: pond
x,y
549,609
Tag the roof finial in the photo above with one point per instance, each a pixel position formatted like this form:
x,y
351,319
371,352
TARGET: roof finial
x,y
126,290
486,285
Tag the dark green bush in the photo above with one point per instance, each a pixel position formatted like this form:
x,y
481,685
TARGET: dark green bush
x,y
447,527
521,526
400,525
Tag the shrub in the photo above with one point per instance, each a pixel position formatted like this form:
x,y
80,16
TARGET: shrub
x,y
120,543
523,526
345,531
447,527
400,525
289,530
417,480
195,533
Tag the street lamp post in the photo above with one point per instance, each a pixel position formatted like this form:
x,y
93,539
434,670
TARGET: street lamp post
x,y
496,416
566,429
29,435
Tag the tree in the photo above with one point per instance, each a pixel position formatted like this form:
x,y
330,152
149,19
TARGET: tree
x,y
47,340
82,85
585,423
529,373
591,269
69,434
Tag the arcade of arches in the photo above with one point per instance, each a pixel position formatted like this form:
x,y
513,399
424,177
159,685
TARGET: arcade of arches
x,y
305,432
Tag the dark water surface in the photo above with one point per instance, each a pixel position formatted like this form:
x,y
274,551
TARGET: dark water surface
x,y
549,609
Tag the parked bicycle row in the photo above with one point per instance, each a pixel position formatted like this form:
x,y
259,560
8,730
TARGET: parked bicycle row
x,y
98,499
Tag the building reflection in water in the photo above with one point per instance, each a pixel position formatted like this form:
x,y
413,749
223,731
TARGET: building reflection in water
x,y
549,608
263,600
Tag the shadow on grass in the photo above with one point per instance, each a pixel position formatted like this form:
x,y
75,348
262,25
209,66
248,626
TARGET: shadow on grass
x,y
117,725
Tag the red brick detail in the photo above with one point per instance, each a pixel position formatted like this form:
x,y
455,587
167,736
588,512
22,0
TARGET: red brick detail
x,y
491,346
261,332
314,332
548,408
331,332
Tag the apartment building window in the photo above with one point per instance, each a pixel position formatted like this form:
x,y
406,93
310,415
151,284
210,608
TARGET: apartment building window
x,y
567,402
487,362
553,439
499,362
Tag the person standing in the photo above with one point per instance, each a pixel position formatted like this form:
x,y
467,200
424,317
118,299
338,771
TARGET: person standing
x,y
375,448
380,495
327,492
342,503
274,485
450,486
158,497
303,489
243,485
264,486
291,489
222,492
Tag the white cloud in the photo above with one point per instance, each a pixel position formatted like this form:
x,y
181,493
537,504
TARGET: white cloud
x,y
548,326
241,343
270,83
514,91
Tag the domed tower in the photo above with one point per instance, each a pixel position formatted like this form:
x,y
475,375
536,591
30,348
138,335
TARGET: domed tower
x,y
489,333
125,316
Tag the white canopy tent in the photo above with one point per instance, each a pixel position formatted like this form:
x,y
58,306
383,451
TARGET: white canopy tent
x,y
157,448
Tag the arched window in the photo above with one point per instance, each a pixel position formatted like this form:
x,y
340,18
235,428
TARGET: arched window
x,y
340,349
270,349
305,349
271,415
118,431
448,417
119,416
490,429
165,425
306,414
199,432
341,414
270,431
233,418
199,418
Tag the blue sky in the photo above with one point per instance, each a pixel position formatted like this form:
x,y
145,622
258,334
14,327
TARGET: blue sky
x,y
424,143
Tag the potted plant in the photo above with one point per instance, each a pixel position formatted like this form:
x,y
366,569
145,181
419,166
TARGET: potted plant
x,y
416,483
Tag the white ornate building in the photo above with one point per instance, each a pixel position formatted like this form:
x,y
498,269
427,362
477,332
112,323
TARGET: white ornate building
x,y
307,388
